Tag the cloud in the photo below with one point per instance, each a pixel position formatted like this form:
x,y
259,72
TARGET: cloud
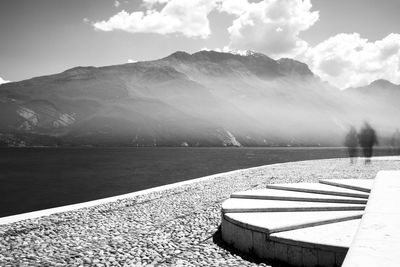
x,y
347,60
117,3
270,26
132,61
186,17
235,7
152,3
273,27
3,81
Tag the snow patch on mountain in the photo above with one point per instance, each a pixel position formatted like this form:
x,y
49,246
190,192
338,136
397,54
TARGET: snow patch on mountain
x,y
239,52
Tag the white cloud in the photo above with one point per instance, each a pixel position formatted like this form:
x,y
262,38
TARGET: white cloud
x,y
235,7
347,60
152,3
186,17
3,81
270,26
132,61
117,3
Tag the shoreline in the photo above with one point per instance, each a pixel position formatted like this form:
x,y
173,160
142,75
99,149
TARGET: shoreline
x,y
51,178
177,226
92,203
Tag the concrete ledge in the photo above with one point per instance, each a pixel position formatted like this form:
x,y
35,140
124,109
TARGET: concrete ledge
x,y
318,188
255,205
275,194
274,222
335,237
363,185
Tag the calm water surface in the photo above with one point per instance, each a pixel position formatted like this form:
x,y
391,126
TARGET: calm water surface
x,y
38,178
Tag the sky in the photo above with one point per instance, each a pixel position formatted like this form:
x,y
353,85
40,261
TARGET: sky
x,y
345,42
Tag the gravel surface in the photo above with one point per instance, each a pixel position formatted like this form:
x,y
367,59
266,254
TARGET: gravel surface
x,y
175,227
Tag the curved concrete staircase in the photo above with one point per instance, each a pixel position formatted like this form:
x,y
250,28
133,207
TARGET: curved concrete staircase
x,y
303,224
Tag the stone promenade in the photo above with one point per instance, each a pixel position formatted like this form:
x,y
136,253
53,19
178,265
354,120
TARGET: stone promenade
x,y
174,227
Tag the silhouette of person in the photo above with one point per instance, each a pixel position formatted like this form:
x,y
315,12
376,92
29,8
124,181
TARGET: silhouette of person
x,y
351,142
395,142
367,139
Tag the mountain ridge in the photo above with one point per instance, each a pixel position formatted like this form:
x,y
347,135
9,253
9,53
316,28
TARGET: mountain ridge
x,y
207,98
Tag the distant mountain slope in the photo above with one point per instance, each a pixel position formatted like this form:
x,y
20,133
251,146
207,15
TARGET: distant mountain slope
x,y
203,99
379,88
378,102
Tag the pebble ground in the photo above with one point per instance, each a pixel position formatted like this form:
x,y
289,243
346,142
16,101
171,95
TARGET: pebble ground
x,y
175,227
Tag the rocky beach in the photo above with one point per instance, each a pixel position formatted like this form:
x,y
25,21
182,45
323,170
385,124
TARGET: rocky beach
x,y
173,227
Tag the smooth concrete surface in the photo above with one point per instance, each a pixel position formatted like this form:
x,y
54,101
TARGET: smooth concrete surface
x,y
319,188
258,205
273,222
363,185
392,158
337,235
275,194
385,195
377,241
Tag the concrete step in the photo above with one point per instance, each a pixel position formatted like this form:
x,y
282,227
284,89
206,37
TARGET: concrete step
x,y
273,222
303,224
319,188
260,205
275,194
324,245
339,235
363,185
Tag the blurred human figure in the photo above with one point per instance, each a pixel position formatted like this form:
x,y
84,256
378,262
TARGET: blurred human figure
x,y
367,139
351,142
395,142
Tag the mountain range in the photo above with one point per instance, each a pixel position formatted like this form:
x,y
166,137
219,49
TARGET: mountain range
x,y
203,99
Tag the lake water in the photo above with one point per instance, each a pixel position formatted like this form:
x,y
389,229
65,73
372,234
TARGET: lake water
x,y
39,178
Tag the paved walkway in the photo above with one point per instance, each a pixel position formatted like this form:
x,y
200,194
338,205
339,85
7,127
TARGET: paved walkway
x,y
177,226
377,241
